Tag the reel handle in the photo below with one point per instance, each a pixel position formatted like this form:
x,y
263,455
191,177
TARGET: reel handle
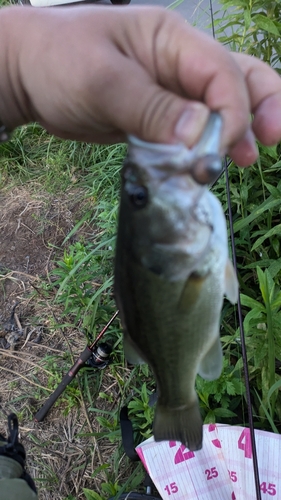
x,y
80,362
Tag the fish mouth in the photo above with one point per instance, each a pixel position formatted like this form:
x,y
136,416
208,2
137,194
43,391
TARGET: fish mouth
x,y
189,246
178,246
202,161
189,250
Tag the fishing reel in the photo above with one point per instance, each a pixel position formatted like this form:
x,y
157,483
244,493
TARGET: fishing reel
x,y
100,357
95,355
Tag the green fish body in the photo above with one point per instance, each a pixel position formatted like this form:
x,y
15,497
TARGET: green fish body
x,y
171,273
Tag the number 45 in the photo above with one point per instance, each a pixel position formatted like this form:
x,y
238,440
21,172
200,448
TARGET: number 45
x,y
268,488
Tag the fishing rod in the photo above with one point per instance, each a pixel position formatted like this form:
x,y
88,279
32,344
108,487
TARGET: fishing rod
x,y
240,316
94,355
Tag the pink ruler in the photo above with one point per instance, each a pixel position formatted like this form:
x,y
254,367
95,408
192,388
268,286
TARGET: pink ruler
x,y
222,470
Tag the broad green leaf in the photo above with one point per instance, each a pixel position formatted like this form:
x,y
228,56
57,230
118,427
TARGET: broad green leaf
x,y
275,166
275,244
276,230
275,191
230,388
91,495
99,469
269,150
247,19
203,397
238,385
251,303
210,417
144,394
109,488
276,302
262,263
265,23
257,212
263,285
253,314
274,388
224,412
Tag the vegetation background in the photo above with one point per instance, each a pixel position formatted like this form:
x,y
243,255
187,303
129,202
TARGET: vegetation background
x,y
58,214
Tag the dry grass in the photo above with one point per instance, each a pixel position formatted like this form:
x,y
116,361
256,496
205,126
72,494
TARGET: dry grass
x,y
63,451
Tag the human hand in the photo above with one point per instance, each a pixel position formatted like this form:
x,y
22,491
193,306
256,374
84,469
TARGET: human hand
x,y
97,73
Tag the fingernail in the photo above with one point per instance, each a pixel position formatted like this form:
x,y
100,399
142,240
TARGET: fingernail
x,y
191,123
245,152
251,143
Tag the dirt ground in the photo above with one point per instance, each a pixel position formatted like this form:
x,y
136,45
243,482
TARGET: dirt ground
x,y
32,230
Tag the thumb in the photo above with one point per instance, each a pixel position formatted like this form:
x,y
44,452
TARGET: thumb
x,y
152,113
165,117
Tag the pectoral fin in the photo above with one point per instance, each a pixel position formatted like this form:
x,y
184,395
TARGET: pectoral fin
x,y
131,354
231,286
153,399
191,291
211,365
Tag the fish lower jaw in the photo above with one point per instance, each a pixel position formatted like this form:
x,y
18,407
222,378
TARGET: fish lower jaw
x,y
181,247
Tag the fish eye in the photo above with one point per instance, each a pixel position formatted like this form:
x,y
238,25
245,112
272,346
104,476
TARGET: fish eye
x,y
139,196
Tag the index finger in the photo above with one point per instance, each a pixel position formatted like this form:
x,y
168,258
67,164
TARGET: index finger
x,y
203,70
264,88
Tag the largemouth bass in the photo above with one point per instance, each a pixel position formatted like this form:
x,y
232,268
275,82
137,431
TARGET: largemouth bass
x,y
171,273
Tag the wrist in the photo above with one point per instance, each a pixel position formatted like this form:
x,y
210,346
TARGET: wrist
x,y
13,101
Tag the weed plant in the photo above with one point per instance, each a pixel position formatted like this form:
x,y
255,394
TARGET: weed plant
x,y
253,27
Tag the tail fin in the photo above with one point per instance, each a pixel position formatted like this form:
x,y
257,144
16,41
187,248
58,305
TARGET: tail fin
x,y
184,425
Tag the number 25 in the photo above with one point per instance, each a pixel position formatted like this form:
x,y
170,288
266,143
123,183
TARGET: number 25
x,y
211,473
